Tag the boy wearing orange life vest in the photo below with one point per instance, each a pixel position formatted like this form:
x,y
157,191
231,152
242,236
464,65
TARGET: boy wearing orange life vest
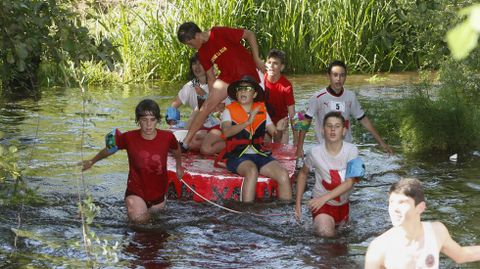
x,y
244,123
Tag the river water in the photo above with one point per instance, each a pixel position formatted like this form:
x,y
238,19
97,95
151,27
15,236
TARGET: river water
x,y
48,132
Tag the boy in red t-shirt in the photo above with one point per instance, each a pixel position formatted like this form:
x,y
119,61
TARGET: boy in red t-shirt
x,y
220,48
147,149
279,94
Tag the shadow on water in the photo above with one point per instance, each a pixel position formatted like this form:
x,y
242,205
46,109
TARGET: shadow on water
x,y
196,235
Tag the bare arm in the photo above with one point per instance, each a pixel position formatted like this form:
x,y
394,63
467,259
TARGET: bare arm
x,y
317,203
87,164
301,182
369,126
291,114
281,125
252,41
452,249
177,154
176,103
230,130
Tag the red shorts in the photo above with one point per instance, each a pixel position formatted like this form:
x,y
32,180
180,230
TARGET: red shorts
x,y
338,213
148,203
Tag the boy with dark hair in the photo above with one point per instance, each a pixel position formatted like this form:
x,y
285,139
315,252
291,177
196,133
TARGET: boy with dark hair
x,y
412,243
244,123
147,149
337,167
279,94
335,98
220,47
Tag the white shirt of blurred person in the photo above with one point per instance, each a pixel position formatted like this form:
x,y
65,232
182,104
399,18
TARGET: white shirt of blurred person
x,y
195,90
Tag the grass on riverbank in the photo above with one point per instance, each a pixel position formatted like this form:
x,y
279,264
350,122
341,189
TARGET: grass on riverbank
x,y
369,35
447,120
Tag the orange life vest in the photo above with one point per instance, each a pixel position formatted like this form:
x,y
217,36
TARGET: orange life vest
x,y
253,134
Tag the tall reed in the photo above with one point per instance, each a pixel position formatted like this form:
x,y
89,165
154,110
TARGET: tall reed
x,y
312,33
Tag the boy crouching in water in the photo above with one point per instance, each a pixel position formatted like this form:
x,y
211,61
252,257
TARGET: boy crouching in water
x,y
244,123
147,149
337,167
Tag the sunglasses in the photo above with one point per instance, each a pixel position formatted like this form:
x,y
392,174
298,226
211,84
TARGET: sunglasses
x,y
245,88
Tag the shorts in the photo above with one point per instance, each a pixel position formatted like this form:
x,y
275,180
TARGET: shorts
x,y
148,203
338,213
257,159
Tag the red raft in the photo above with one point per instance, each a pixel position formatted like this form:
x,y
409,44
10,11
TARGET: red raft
x,y
215,183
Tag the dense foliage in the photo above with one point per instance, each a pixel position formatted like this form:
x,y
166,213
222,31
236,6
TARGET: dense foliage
x,y
42,38
446,119
137,39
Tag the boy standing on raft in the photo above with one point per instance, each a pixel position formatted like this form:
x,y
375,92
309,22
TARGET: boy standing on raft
x,y
335,98
279,95
337,167
244,123
147,149
412,243
220,47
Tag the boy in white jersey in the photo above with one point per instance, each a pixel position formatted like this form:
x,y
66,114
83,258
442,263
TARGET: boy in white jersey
x,y
333,184
412,243
335,98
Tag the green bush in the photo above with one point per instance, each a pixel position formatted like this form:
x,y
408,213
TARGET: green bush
x,y
446,118
13,189
39,32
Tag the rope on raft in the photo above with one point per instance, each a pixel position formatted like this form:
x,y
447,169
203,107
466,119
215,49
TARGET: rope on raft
x,y
229,209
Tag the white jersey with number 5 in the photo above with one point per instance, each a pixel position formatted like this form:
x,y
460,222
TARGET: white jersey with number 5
x,y
326,101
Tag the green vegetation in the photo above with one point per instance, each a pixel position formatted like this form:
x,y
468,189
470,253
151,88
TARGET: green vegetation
x,y
40,39
446,119
98,251
132,41
13,190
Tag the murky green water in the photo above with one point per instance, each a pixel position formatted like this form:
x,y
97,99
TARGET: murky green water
x,y
191,235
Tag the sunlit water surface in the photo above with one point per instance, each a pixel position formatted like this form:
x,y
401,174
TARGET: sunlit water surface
x,y
49,132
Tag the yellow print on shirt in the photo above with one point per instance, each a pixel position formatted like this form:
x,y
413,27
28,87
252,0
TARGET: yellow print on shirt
x,y
217,54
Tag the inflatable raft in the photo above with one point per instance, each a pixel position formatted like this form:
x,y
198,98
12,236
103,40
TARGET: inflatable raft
x,y
216,183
